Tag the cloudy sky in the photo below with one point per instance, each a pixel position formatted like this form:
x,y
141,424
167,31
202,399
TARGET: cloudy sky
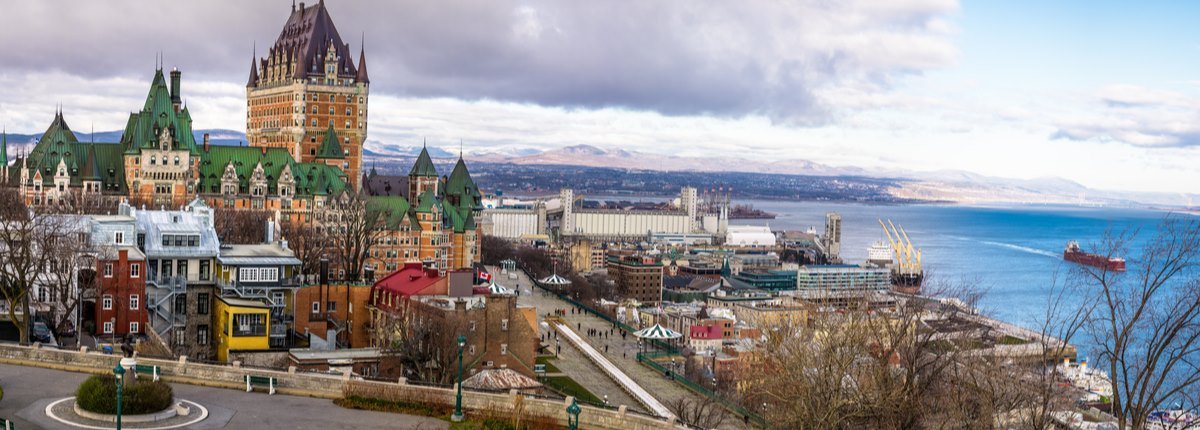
x,y
1103,93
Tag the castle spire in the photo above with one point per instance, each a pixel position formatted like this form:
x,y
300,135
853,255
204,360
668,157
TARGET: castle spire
x,y
362,61
253,70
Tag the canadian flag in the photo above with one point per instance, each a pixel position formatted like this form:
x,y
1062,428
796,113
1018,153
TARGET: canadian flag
x,y
485,276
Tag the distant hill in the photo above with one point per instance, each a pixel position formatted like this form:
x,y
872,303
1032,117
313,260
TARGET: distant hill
x,y
216,136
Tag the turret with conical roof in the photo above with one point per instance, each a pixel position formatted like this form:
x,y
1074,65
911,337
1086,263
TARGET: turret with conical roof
x,y
423,176
330,147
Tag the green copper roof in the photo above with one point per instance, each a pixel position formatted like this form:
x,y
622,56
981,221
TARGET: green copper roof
x,y
310,178
4,147
460,189
394,210
424,165
59,145
330,148
425,202
91,168
144,128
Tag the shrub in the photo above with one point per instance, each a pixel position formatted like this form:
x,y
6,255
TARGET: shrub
x,y
99,394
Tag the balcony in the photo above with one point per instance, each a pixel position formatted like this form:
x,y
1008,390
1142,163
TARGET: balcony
x,y
258,290
175,283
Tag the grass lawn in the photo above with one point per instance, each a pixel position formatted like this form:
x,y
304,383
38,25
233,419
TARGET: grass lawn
x,y
550,367
568,387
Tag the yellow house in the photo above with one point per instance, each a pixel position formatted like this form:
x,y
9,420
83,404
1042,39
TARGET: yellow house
x,y
242,325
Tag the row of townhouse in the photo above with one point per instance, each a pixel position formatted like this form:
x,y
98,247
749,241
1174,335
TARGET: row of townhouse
x,y
164,274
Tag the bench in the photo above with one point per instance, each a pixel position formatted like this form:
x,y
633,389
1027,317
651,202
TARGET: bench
x,y
260,381
147,370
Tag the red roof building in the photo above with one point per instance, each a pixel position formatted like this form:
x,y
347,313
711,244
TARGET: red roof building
x,y
411,280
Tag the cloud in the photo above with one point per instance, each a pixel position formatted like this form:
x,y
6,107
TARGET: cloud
x,y
1137,116
694,58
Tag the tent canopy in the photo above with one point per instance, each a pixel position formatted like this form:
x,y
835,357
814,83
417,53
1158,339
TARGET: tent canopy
x,y
657,332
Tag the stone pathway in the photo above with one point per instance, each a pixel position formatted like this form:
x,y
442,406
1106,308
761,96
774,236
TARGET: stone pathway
x,y
622,353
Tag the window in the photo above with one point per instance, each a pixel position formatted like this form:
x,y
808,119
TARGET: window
x,y
41,294
119,237
277,298
504,325
135,270
268,274
504,349
248,274
134,301
204,270
108,327
107,302
472,325
133,327
166,240
182,269
193,240
181,304
179,240
202,334
316,307
202,304
471,350
331,306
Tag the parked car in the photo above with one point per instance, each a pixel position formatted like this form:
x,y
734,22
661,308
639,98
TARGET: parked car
x,y
41,333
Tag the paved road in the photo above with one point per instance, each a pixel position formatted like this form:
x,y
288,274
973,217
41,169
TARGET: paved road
x,y
27,391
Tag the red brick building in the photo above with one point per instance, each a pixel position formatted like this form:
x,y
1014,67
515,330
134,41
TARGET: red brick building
x,y
121,297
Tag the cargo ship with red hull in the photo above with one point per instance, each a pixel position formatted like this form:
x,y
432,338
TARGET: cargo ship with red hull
x,y
1076,255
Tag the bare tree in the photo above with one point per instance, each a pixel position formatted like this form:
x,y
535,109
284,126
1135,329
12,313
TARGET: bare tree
x,y
419,341
240,226
1146,323
354,231
28,247
70,271
496,249
700,412
309,242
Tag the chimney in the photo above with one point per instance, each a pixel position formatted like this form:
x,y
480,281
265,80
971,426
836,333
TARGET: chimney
x,y
324,272
270,233
175,99
205,142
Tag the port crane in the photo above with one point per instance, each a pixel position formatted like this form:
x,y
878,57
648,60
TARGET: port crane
x,y
908,259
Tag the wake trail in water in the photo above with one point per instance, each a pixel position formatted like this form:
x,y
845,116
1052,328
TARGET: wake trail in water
x,y
1024,249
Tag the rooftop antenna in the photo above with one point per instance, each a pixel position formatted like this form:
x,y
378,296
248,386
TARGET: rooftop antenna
x,y
460,149
93,134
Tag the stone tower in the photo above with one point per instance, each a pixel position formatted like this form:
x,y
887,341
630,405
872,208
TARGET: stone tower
x,y
307,83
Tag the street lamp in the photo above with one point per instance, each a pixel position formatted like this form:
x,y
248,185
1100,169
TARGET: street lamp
x,y
119,371
606,400
573,415
458,415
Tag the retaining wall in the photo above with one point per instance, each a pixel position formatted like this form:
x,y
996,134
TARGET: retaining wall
x,y
331,386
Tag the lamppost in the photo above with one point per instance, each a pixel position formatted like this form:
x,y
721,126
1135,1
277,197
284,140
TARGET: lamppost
x,y
458,415
606,400
573,415
120,372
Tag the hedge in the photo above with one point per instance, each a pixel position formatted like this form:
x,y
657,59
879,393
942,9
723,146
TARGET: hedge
x,y
99,394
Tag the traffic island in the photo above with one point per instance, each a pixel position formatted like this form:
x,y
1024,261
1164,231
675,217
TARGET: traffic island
x,y
181,413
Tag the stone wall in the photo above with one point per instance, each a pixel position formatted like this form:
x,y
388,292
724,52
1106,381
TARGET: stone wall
x,y
329,386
